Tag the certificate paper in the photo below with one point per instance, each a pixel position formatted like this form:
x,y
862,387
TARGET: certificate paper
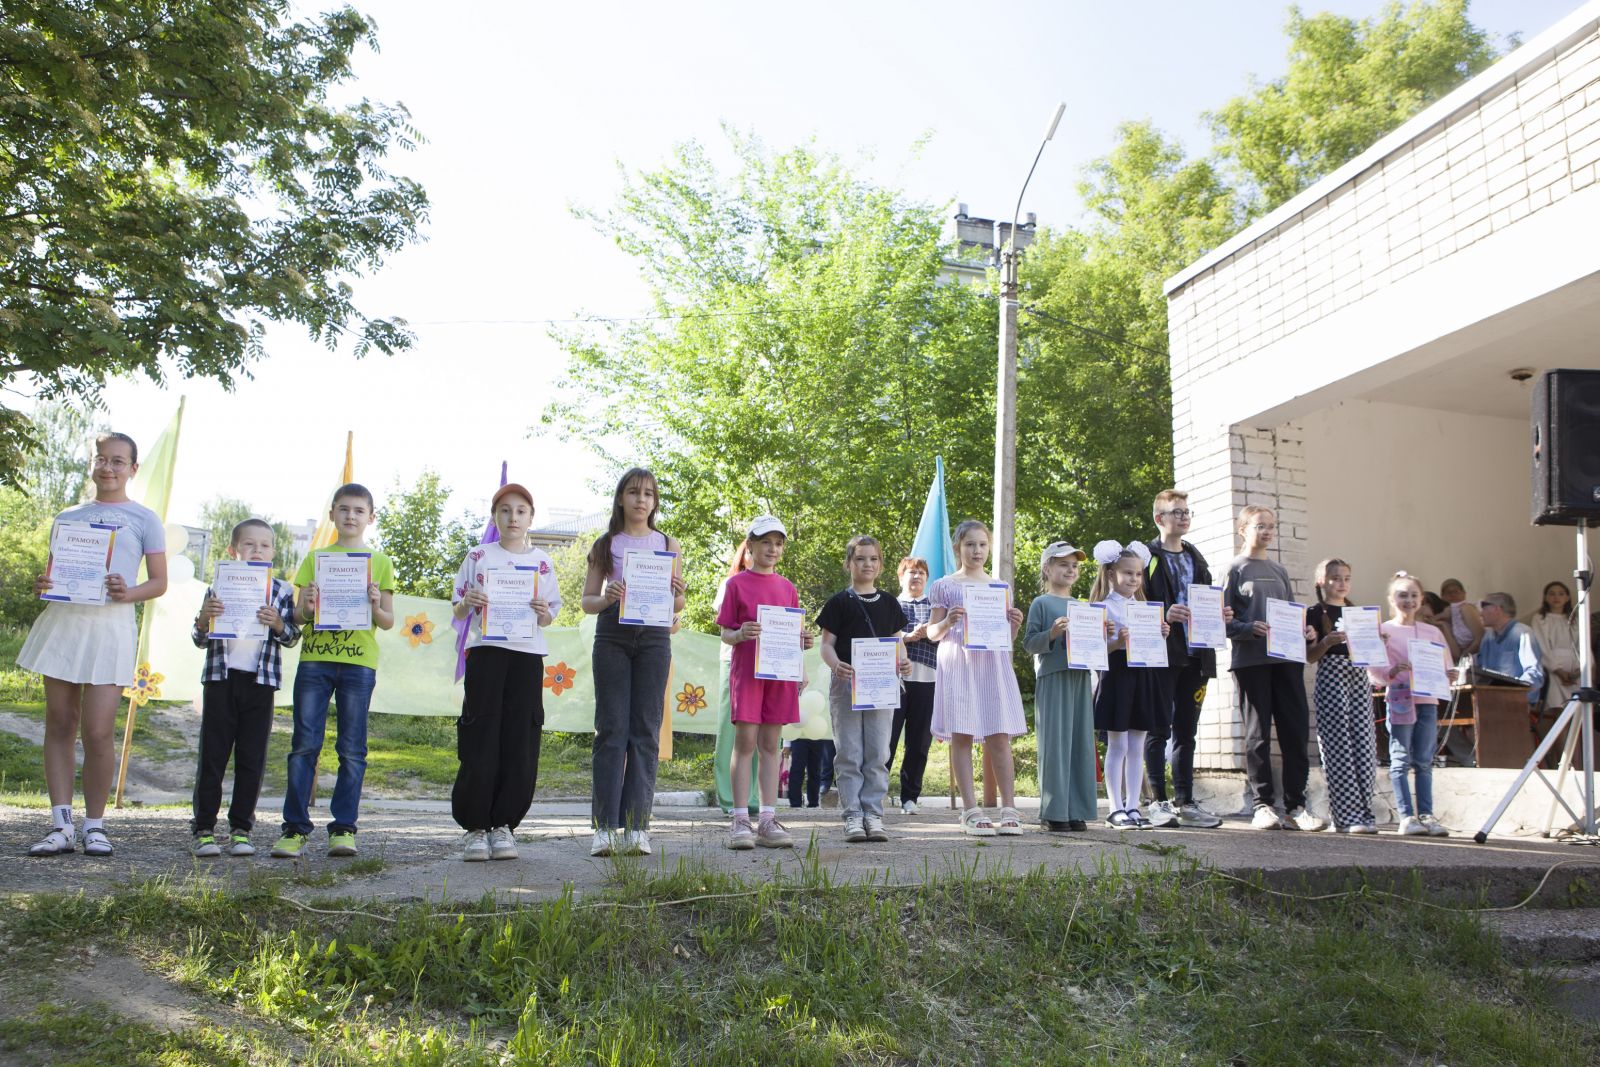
x,y
1206,628
342,580
80,559
778,651
244,587
509,614
1086,636
876,681
1362,638
987,627
1146,646
1429,676
647,579
1286,636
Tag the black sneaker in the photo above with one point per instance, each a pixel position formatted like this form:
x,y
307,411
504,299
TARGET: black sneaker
x,y
1077,826
1057,826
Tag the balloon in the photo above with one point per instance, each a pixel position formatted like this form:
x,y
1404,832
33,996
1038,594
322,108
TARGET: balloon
x,y
177,539
815,725
180,569
812,700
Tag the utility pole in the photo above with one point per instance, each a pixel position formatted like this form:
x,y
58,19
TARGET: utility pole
x,y
1005,406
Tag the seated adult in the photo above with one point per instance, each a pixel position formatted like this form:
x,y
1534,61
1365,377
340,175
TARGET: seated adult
x,y
1462,626
1508,647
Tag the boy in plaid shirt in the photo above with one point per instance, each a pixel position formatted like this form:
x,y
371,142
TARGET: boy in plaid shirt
x,y
241,678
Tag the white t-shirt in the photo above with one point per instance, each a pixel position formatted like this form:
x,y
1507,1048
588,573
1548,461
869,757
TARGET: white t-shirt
x,y
244,653
470,576
139,533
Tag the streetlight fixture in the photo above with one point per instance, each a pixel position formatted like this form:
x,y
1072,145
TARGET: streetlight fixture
x,y
1005,408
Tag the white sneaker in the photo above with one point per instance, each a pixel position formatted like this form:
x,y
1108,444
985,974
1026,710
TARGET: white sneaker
x,y
502,843
855,829
1435,827
1361,828
475,849
873,824
908,808
1192,814
1411,826
1161,814
1265,818
639,842
1302,819
601,844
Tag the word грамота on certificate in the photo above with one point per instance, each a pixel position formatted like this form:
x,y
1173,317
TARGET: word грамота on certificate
x,y
80,559
342,580
1286,630
509,615
648,599
1362,639
779,657
244,587
1086,636
988,628
1146,646
1206,627
875,681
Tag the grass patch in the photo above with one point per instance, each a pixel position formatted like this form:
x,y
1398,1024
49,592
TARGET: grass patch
x,y
695,966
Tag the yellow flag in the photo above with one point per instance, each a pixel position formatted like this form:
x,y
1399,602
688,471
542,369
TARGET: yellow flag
x,y
152,487
326,534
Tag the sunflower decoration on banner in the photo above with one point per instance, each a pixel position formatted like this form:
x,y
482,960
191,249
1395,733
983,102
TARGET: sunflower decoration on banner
x,y
560,678
418,629
146,686
691,698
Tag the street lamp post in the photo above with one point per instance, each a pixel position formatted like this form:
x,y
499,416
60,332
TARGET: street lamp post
x,y
1005,408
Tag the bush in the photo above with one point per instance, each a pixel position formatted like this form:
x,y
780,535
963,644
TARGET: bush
x,y
24,551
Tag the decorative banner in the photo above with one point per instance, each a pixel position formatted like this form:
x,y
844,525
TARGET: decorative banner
x,y
416,672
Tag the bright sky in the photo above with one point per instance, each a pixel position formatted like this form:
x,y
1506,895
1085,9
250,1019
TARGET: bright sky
x,y
528,109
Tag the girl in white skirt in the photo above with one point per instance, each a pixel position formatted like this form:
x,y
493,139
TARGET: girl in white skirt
x,y
86,651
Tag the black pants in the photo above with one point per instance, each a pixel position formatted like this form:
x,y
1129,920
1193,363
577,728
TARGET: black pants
x,y
1274,696
235,719
497,738
915,717
1183,690
805,771
631,665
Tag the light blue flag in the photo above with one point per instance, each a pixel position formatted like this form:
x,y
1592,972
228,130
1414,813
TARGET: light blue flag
x,y
933,532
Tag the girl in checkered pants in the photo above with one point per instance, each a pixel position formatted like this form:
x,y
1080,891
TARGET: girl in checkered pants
x,y
1343,698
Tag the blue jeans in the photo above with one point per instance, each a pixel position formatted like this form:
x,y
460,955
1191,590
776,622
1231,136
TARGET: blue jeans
x,y
350,686
1411,747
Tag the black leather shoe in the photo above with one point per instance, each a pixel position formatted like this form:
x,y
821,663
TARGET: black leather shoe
x,y
1057,827
1077,825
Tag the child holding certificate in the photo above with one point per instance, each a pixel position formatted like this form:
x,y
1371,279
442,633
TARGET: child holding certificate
x,y
1343,695
976,696
861,733
1413,718
240,680
84,643
1128,701
763,681
356,586
635,587
1273,691
1063,704
509,589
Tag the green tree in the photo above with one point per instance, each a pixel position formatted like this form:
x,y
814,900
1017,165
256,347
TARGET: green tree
x,y
572,568
1350,81
24,550
426,548
807,361
57,472
220,515
173,176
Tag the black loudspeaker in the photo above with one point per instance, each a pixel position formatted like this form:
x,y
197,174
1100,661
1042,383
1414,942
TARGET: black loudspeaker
x,y
1566,448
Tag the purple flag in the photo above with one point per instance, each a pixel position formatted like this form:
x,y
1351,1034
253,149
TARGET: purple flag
x,y
490,535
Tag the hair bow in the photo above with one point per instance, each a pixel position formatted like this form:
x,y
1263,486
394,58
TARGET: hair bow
x,y
1140,549
1106,552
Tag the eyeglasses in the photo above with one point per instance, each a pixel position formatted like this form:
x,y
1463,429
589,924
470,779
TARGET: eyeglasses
x,y
1178,513
116,463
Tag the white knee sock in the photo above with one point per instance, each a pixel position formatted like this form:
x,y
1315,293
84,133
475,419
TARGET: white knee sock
x,y
1134,767
1116,757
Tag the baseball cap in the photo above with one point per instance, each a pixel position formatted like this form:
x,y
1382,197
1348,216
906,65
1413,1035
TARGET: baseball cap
x,y
510,487
1057,549
765,524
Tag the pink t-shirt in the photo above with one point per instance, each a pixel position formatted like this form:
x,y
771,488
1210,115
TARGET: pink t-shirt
x,y
1397,693
742,595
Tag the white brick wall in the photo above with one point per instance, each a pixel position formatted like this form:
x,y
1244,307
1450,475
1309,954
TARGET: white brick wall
x,y
1522,146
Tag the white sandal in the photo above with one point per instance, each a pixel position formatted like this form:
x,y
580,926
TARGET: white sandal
x,y
1010,822
54,843
96,843
974,823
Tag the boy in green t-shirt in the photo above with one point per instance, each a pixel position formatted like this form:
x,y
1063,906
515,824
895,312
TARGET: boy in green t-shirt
x,y
341,664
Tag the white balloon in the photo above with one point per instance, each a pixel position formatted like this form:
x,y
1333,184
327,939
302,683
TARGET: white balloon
x,y
177,539
815,725
180,569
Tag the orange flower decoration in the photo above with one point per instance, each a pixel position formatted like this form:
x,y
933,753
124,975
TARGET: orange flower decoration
x,y
691,699
419,629
559,679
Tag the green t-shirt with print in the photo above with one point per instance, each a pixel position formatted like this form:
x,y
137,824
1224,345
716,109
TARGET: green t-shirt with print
x,y
342,646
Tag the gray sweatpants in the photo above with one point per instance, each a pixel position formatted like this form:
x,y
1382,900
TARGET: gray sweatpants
x,y
861,764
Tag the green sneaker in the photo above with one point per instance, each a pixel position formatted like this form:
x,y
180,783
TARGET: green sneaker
x,y
341,844
239,844
289,847
205,846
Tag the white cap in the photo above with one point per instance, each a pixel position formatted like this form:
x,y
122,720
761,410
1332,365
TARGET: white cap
x,y
765,524
1057,549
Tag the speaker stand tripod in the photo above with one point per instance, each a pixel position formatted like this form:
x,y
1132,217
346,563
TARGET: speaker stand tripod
x,y
1578,713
